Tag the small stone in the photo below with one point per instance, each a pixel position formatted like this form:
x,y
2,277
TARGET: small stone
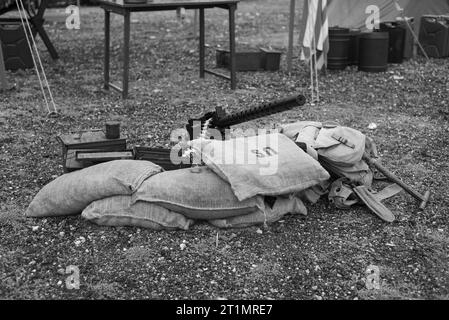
x,y
35,228
61,271
314,288
61,234
317,297
59,282
259,231
182,246
372,126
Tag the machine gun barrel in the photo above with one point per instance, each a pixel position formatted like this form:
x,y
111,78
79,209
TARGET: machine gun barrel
x,y
259,111
218,119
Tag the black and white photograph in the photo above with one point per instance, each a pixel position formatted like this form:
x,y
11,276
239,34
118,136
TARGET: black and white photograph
x,y
225,156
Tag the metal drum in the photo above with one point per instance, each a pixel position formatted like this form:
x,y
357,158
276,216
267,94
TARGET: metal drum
x,y
354,38
396,43
373,52
339,41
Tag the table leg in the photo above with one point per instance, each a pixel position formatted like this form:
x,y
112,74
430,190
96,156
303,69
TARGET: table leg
x,y
232,45
107,40
126,55
38,24
202,37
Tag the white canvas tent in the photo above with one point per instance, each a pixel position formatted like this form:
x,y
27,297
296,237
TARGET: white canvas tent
x,y
352,13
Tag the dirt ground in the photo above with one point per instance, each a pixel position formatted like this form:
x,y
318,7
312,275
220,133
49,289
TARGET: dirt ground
x,y
323,255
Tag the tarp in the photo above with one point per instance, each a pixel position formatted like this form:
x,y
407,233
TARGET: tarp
x,y
351,13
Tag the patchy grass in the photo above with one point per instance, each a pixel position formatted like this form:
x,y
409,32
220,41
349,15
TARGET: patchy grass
x,y
323,255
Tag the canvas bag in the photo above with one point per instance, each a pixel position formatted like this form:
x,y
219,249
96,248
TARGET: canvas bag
x,y
120,211
341,152
340,148
197,193
72,192
269,164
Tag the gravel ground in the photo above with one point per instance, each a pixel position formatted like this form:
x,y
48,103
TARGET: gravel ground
x,y
323,255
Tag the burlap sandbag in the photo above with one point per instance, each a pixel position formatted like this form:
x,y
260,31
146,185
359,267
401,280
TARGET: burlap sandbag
x,y
269,164
72,192
197,193
281,207
120,211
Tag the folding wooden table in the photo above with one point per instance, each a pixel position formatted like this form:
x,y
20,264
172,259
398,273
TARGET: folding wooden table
x,y
125,9
36,18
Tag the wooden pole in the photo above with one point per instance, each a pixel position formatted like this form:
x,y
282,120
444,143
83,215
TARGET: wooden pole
x,y
3,85
291,26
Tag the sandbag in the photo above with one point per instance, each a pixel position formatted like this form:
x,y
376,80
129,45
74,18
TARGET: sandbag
x,y
281,207
197,193
269,164
120,211
72,192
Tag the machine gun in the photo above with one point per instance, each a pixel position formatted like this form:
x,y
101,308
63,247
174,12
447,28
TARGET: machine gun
x,y
221,121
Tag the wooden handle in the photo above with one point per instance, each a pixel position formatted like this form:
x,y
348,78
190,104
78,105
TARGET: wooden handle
x,y
425,200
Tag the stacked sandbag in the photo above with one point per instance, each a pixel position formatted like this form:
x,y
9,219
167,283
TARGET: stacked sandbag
x,y
268,165
120,211
71,193
270,185
282,206
197,193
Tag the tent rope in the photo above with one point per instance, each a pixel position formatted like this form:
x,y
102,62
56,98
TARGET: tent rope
x,y
34,51
401,11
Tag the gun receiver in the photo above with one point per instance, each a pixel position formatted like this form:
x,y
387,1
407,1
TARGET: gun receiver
x,y
218,119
